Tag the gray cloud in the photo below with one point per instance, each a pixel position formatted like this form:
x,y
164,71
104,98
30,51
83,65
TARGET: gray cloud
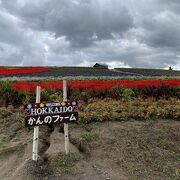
x,y
17,45
143,33
131,53
161,30
78,21
172,5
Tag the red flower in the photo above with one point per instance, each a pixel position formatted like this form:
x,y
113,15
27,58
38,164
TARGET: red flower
x,y
22,70
93,85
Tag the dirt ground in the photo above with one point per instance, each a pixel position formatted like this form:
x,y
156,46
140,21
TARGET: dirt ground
x,y
124,150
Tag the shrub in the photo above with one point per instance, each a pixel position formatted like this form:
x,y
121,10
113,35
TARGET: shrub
x,y
45,95
56,97
73,94
116,92
163,91
5,87
6,92
25,98
128,94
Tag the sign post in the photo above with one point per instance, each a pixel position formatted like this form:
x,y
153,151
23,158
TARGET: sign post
x,y
42,113
38,114
36,128
66,134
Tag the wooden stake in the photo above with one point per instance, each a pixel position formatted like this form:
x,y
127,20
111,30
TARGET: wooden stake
x,y
36,128
66,134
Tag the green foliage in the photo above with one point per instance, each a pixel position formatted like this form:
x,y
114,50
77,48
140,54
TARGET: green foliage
x,y
45,95
73,94
6,92
90,136
128,94
51,96
116,92
56,97
84,95
25,98
8,96
177,92
5,87
142,142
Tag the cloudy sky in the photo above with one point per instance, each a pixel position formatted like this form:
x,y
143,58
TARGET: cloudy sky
x,y
131,33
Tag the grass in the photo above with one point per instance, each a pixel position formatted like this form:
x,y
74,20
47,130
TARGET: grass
x,y
151,72
83,142
2,145
6,149
142,142
63,161
90,136
178,159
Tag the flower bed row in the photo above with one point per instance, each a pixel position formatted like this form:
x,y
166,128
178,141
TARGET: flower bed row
x,y
28,86
22,92
140,109
101,100
22,70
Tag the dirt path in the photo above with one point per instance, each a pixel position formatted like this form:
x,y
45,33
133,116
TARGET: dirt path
x,y
131,150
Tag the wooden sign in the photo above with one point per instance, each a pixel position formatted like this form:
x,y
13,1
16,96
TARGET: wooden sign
x,y
50,113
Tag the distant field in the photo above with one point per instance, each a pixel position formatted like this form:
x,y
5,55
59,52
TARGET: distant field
x,y
61,72
78,68
150,72
70,71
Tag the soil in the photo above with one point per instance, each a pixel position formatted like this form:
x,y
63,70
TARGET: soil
x,y
121,150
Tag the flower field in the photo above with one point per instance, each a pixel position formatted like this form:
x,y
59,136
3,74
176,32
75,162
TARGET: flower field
x,y
94,73
138,109
86,89
92,85
152,97
21,70
59,72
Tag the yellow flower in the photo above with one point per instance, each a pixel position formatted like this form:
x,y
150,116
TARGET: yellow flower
x,y
63,104
41,105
